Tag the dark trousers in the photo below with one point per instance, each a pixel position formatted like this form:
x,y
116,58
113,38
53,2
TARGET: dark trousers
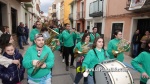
x,y
66,52
61,50
142,82
79,75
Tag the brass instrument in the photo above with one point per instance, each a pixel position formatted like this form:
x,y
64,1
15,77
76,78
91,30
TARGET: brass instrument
x,y
38,65
122,46
51,41
85,48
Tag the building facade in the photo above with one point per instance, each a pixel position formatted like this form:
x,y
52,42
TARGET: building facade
x,y
15,11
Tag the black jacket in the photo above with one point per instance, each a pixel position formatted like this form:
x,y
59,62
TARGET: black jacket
x,y
12,74
136,38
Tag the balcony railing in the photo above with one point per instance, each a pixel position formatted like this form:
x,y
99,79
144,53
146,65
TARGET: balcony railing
x,y
71,16
28,4
96,9
138,5
81,15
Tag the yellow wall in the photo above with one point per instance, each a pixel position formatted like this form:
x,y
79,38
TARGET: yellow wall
x,y
67,10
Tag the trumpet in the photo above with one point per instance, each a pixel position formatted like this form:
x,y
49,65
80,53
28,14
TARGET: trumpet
x,y
122,46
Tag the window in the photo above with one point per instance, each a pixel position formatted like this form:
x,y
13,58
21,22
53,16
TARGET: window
x,y
116,26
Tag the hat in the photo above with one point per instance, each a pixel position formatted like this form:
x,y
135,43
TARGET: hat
x,y
38,35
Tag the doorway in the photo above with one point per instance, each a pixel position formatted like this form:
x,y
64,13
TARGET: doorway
x,y
78,27
14,20
99,27
143,25
116,26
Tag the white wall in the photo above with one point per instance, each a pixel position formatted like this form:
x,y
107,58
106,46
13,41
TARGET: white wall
x,y
20,13
74,14
58,12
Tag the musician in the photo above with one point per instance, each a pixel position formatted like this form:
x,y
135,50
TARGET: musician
x,y
80,58
112,45
94,34
94,56
67,36
35,31
32,58
143,59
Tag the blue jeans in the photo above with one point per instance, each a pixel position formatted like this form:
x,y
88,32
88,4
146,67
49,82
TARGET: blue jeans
x,y
90,80
135,49
22,39
79,75
44,80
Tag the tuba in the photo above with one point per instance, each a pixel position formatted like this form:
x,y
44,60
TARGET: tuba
x,y
85,48
122,46
51,41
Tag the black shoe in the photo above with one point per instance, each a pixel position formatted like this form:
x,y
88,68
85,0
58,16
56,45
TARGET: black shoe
x,y
67,68
72,67
22,48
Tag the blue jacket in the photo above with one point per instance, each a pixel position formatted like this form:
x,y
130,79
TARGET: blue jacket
x,y
12,74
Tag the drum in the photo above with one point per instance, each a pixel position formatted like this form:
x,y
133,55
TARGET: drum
x,y
148,81
112,72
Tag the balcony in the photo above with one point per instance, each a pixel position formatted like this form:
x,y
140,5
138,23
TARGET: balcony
x,y
25,0
54,10
81,15
54,15
71,16
96,9
28,4
138,5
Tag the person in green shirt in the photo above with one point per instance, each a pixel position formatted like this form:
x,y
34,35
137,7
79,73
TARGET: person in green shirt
x,y
68,41
80,57
35,31
143,59
33,55
112,45
94,56
94,34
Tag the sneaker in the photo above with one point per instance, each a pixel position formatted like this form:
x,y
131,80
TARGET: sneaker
x,y
67,68
63,60
72,67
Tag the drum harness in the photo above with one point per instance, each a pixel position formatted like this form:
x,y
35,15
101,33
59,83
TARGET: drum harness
x,y
99,60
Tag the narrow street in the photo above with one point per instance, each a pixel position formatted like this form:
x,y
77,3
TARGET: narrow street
x,y
61,76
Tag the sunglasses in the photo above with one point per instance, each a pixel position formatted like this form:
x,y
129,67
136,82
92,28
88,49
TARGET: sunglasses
x,y
38,35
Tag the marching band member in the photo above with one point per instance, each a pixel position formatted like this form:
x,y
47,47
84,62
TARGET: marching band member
x,y
67,36
143,58
93,57
35,31
85,41
94,34
33,57
112,45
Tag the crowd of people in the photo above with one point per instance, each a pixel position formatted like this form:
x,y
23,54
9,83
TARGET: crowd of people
x,y
86,48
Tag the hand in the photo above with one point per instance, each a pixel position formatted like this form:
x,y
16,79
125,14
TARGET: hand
x,y
58,43
144,75
128,42
43,66
34,62
17,62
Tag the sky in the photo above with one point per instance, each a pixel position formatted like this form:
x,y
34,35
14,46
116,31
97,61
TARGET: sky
x,y
45,5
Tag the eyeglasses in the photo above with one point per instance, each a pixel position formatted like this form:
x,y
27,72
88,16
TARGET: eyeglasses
x,y
38,35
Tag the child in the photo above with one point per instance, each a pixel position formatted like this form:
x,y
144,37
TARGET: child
x,y
13,74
